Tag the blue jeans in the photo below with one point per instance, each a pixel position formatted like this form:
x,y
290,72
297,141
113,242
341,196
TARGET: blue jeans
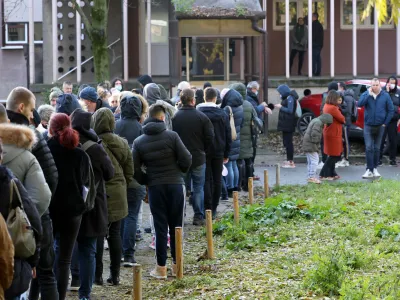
x,y
232,180
224,193
316,60
198,177
373,139
129,224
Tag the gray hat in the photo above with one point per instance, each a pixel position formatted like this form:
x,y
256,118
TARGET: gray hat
x,y
88,93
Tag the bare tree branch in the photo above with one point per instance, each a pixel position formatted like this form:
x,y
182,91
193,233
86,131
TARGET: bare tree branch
x,y
88,26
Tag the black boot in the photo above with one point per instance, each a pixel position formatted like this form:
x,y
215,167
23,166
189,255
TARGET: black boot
x,y
242,173
114,280
230,193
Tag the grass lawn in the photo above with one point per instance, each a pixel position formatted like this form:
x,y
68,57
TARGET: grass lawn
x,y
340,241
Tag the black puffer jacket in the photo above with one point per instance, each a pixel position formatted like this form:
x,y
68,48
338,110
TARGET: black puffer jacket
x,y
287,113
222,130
349,104
195,131
162,153
395,95
94,223
41,151
22,267
233,99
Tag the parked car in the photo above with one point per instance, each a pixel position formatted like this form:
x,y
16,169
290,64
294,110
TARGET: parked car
x,y
310,106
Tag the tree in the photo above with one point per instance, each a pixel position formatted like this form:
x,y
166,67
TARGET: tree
x,y
96,30
382,7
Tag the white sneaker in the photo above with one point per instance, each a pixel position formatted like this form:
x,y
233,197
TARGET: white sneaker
x,y
105,245
320,165
345,163
368,174
376,173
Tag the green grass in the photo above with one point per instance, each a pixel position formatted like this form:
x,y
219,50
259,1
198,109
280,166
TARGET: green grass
x,y
341,241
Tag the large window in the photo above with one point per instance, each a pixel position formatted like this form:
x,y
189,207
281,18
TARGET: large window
x,y
296,9
159,22
17,33
367,23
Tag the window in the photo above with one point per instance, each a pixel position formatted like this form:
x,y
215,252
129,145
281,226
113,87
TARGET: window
x,y
367,23
17,33
296,9
159,22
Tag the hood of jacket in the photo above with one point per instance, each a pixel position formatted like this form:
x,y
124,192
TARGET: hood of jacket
x,y
284,91
151,93
17,118
348,92
80,121
67,103
145,79
103,121
232,98
326,118
152,126
239,87
333,86
131,108
294,94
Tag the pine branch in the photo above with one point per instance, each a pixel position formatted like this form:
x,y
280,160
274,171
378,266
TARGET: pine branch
x,y
79,10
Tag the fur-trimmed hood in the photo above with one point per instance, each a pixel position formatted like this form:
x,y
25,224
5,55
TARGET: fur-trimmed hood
x,y
19,136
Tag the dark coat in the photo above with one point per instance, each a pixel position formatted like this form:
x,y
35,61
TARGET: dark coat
x,y
233,99
377,111
333,144
395,95
253,99
287,113
317,34
100,104
222,130
313,134
349,104
196,132
41,151
128,126
73,172
163,154
94,223
246,132
67,103
22,268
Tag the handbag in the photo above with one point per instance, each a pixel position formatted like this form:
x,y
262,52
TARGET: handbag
x,y
19,227
232,123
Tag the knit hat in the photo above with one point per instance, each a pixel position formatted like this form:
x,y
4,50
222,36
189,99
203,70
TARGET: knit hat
x,y
89,94
145,79
67,103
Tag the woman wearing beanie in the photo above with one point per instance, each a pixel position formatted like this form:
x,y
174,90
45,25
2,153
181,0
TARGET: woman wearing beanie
x,y
68,203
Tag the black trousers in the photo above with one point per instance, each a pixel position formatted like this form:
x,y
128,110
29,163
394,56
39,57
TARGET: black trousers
x,y
324,156
213,186
246,170
288,144
346,142
293,54
328,170
391,134
166,205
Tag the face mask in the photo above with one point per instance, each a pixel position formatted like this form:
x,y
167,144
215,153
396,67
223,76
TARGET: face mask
x,y
256,92
392,86
118,87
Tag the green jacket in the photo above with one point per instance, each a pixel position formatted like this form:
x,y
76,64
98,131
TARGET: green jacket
x,y
313,135
246,137
117,148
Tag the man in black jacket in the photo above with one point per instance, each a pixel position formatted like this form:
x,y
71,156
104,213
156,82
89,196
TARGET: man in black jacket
x,y
218,152
165,158
20,105
317,44
197,133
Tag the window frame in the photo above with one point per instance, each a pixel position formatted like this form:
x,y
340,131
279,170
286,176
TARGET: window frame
x,y
368,26
19,43
299,5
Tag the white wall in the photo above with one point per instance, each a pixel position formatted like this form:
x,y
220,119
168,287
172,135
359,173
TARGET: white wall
x,y
17,11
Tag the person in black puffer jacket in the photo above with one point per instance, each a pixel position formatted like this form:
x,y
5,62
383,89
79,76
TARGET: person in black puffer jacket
x,y
218,153
232,99
287,122
165,158
94,223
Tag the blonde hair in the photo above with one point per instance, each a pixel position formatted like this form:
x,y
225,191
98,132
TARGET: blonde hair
x,y
17,96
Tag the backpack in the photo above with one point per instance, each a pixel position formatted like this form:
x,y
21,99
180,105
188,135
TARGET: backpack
x,y
232,123
354,113
91,190
19,227
295,96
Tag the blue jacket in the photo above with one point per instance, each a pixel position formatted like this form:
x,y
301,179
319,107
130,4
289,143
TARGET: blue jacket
x,y
377,111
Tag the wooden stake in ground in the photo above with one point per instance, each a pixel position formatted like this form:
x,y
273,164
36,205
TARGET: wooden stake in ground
x,y
179,252
209,233
266,187
278,175
251,191
137,282
236,207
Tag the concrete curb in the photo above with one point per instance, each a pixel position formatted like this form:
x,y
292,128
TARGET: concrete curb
x,y
352,159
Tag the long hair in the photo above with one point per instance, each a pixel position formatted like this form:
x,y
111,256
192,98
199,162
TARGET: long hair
x,y
60,128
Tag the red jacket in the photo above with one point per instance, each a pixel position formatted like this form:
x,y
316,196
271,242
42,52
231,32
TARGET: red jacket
x,y
333,144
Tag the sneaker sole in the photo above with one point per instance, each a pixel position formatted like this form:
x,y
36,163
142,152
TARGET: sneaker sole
x,y
158,277
128,264
74,288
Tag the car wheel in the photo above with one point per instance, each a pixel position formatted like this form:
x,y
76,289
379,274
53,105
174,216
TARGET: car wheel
x,y
303,122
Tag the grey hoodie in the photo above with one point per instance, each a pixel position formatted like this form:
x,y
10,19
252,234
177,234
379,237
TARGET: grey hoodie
x,y
312,137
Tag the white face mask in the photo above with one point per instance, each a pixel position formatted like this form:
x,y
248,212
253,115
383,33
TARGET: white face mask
x,y
392,86
256,92
118,87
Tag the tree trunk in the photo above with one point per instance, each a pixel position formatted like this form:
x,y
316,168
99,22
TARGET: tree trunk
x,y
99,40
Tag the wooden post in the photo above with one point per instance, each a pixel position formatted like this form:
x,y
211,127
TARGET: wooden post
x,y
278,175
179,252
251,191
266,187
209,233
137,282
236,207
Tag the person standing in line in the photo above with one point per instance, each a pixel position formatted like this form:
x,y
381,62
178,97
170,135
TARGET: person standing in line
x,y
117,148
287,122
45,111
133,108
311,141
68,203
378,112
299,37
219,151
94,222
165,158
317,44
197,134
391,129
333,144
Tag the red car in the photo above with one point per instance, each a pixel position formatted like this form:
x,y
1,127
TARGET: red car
x,y
310,106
